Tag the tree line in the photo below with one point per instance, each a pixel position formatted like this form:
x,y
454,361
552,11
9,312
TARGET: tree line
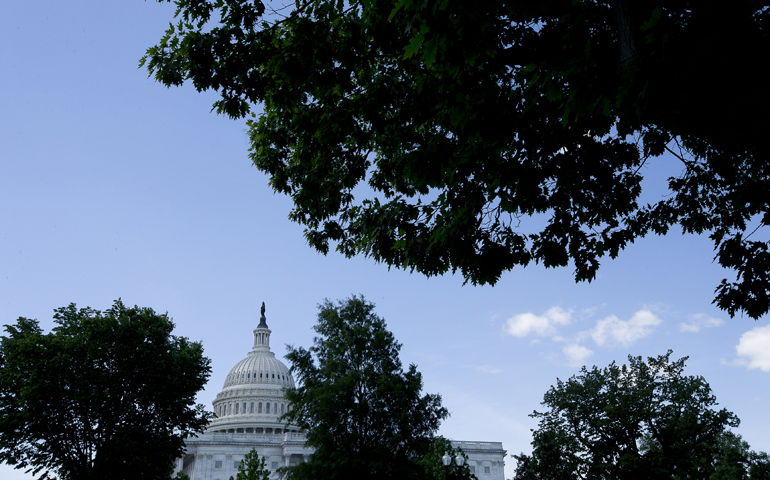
x,y
111,395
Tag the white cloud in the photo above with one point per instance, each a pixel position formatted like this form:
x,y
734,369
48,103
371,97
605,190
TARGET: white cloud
x,y
525,324
576,353
738,362
755,345
700,321
489,369
616,331
589,312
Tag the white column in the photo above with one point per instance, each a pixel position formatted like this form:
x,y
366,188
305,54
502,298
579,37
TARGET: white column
x,y
199,471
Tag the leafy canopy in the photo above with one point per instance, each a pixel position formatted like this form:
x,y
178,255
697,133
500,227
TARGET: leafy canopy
x,y
364,415
104,395
434,467
425,134
736,461
733,460
644,420
252,467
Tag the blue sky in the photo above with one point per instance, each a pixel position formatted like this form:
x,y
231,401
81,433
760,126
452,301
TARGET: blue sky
x,y
113,186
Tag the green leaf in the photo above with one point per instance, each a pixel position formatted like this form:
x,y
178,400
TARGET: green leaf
x,y
653,20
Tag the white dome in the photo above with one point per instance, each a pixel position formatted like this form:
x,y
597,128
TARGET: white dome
x,y
252,398
259,368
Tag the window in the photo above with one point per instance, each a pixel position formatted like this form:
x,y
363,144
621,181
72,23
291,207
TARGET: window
x,y
235,464
260,408
267,407
244,407
274,465
486,469
236,409
282,409
252,408
292,464
218,464
473,468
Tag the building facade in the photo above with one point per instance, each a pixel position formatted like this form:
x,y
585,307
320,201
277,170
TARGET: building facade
x,y
247,414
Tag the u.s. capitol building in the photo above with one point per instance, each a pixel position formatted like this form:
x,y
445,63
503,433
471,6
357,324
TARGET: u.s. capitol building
x,y
248,410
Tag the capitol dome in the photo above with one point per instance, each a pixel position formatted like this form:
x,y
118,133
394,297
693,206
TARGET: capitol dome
x,y
259,369
247,413
252,398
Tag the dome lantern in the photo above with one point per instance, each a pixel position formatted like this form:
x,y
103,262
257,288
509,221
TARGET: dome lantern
x,y
262,333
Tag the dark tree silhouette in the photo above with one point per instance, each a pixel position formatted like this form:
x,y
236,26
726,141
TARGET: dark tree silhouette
x,y
453,122
104,395
365,416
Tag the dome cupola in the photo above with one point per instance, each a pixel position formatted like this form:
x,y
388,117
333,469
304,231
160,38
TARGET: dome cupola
x,y
252,398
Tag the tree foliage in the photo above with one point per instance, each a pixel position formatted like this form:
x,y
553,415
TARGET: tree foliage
x,y
736,461
733,460
423,134
644,420
252,467
104,395
364,415
434,468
